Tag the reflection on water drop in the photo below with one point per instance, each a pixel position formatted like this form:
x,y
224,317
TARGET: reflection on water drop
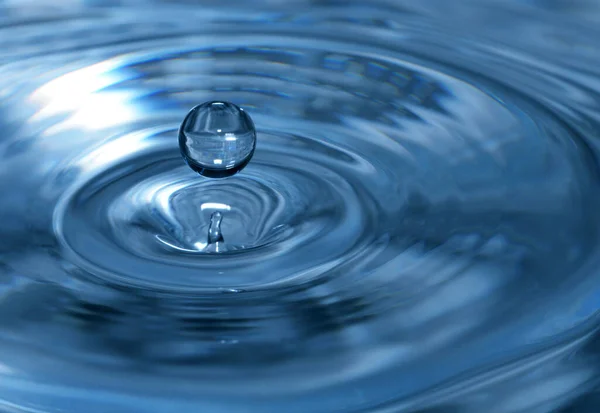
x,y
214,231
215,242
217,139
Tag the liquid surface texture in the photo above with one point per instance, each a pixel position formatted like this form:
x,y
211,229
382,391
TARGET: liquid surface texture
x,y
217,139
417,230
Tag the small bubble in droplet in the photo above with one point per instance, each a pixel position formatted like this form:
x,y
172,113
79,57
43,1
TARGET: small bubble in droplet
x,y
217,139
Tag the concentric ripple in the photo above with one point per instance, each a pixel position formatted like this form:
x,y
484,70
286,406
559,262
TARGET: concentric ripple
x,y
416,232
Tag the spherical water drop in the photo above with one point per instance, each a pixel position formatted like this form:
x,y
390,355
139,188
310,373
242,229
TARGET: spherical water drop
x,y
217,139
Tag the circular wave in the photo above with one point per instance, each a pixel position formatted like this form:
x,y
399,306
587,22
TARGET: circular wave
x,y
419,215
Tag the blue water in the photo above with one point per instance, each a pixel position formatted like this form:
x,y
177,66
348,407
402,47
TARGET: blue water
x,y
417,230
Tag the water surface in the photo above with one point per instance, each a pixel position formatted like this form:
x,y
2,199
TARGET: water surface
x,y
416,232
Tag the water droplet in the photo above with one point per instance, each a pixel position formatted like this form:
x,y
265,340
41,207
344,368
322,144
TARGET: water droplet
x,y
217,139
214,230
